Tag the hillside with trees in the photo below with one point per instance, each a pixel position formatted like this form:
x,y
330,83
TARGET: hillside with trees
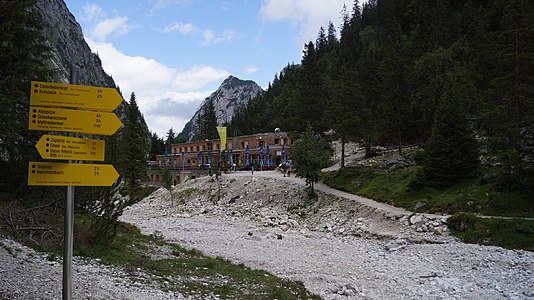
x,y
454,76
29,51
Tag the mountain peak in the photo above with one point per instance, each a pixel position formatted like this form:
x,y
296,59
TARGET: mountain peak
x,y
231,94
232,81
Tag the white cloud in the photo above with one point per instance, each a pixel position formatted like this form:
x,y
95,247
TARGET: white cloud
x,y
187,28
309,15
197,77
251,70
107,27
92,12
210,38
161,4
167,97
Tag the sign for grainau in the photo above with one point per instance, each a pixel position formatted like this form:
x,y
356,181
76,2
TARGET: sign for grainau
x,y
60,174
76,109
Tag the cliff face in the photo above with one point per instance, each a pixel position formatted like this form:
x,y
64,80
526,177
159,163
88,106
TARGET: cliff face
x,y
69,50
232,94
69,47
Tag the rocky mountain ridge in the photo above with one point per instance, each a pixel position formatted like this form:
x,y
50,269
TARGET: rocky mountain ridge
x,y
69,47
231,94
71,52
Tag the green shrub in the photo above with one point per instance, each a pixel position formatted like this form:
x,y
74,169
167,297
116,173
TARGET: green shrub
x,y
462,222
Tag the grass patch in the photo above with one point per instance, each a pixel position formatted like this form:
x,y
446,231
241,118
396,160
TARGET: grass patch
x,y
186,193
507,233
189,271
170,266
471,195
468,195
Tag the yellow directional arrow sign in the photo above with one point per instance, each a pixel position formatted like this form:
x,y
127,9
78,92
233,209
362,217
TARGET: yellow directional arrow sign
x,y
58,174
77,96
68,148
70,120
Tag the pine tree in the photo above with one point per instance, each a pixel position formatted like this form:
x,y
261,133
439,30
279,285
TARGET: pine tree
x,y
134,147
309,103
451,153
511,125
157,146
24,53
310,154
372,79
345,110
171,136
207,122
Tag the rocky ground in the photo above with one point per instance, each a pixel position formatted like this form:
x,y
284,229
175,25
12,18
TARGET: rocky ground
x,y
340,245
26,274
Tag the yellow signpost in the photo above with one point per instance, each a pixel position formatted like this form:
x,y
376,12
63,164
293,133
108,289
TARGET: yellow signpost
x,y
91,114
71,120
64,174
74,96
68,148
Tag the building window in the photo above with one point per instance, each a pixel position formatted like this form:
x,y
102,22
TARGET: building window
x,y
277,141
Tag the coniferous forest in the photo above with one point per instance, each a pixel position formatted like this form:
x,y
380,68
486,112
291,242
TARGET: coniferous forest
x,y
455,77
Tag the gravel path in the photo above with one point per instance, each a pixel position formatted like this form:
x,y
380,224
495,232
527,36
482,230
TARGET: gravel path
x,y
330,262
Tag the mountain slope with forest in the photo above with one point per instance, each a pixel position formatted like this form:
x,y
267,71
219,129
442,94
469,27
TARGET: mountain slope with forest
x,y
456,77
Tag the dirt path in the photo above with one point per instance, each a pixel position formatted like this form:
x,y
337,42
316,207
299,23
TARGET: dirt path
x,y
324,188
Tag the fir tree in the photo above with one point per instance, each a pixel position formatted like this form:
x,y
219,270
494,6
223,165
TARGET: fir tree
x,y
134,147
24,53
171,137
157,146
451,153
208,122
310,154
345,110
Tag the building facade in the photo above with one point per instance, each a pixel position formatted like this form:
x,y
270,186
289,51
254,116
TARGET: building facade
x,y
264,150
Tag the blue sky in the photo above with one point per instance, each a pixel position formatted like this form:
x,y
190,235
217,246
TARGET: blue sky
x,y
175,53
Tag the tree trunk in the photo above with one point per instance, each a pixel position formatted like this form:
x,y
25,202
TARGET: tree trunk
x,y
400,144
342,158
368,148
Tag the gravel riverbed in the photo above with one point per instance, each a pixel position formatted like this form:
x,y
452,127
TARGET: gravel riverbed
x,y
340,246
337,246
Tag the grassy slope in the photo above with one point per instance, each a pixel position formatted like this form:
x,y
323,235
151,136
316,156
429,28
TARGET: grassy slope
x,y
469,195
